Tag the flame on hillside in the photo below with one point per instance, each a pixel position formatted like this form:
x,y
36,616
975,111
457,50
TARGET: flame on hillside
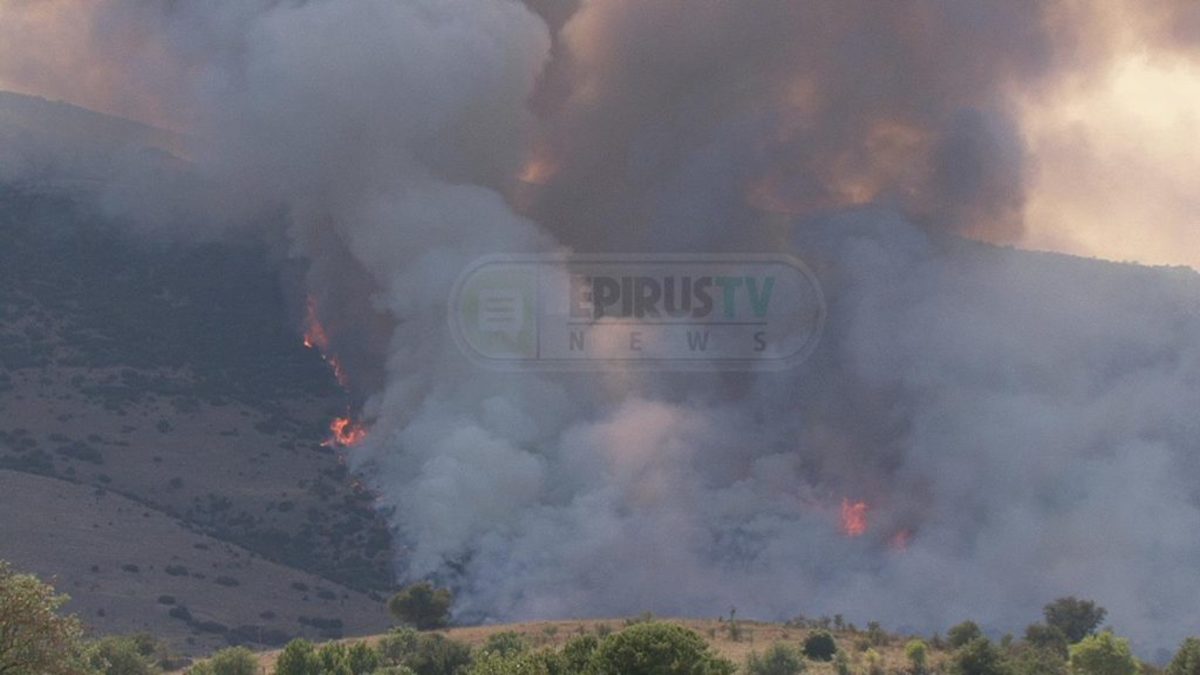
x,y
345,432
316,338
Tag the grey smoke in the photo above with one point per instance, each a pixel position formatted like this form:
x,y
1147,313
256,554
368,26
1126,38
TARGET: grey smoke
x,y
1029,418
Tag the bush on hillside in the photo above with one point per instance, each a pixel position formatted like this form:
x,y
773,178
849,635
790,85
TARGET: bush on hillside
x,y
779,659
820,645
422,606
1050,638
121,656
963,634
917,653
505,643
654,647
1187,659
299,657
231,661
978,657
1074,617
1102,654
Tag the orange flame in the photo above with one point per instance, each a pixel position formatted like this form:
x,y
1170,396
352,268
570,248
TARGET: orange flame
x,y
345,432
539,168
315,337
854,518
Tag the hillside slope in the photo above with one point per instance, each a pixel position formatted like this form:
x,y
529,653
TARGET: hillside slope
x,y
197,592
172,377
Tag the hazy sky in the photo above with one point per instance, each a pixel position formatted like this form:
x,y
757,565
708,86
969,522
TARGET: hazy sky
x,y
1109,137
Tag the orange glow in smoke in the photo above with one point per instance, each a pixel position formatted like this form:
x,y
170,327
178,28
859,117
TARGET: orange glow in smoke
x,y
854,518
899,541
314,332
345,432
539,168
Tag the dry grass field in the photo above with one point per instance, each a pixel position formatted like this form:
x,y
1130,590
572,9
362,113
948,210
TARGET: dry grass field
x,y
754,636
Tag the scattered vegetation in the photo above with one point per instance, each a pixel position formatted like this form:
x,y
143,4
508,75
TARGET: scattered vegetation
x,y
35,637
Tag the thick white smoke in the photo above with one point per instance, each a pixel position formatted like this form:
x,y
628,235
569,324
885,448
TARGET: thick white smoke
x,y
1027,421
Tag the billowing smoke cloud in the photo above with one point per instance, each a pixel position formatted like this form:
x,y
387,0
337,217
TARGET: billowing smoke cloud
x,y
1020,426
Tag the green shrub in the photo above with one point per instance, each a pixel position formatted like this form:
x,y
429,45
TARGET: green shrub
x,y
299,657
1074,617
841,663
962,634
1102,654
1030,660
873,661
438,655
231,661
422,606
917,653
820,645
1187,659
517,663
334,658
577,653
362,659
780,659
398,645
36,638
978,657
121,656
505,643
1050,638
655,648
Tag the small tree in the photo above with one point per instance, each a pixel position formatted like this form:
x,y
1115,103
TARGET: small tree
x,y
1074,617
231,661
978,657
578,652
438,655
422,606
917,654
963,634
299,657
334,658
120,656
1030,660
505,643
1050,638
1102,654
841,663
779,659
362,659
820,645
1187,659
398,645
36,638
654,648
